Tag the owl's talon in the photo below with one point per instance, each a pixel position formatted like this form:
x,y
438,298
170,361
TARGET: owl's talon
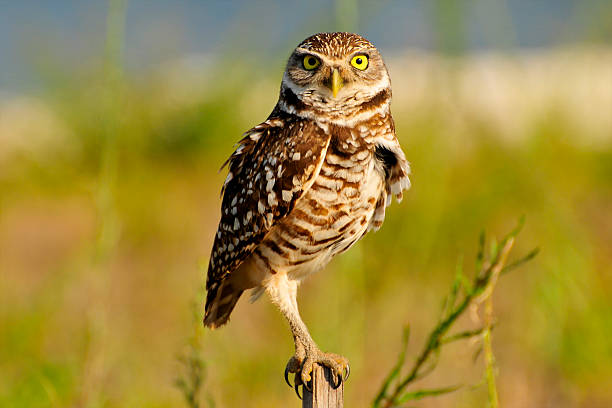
x,y
287,376
308,385
303,367
297,390
293,366
336,385
305,375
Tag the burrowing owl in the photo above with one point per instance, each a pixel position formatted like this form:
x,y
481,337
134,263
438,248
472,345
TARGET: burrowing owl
x,y
306,184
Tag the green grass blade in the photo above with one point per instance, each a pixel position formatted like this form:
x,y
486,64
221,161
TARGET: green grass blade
x,y
530,255
419,394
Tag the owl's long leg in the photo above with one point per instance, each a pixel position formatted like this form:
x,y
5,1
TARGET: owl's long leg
x,y
283,293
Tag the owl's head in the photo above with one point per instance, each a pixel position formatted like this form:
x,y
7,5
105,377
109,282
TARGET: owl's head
x,y
335,71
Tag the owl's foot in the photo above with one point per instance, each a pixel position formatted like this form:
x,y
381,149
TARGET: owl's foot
x,y
302,365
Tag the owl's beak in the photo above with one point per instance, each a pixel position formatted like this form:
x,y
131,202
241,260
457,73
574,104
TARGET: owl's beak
x,y
336,82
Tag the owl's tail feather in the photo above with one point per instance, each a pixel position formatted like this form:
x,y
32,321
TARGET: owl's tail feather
x,y
219,305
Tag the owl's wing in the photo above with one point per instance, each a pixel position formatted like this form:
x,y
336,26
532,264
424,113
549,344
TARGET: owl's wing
x,y
273,166
397,171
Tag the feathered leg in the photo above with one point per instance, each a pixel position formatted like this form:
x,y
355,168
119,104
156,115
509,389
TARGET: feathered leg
x,y
283,293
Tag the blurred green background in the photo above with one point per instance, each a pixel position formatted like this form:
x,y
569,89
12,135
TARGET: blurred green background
x,y
115,118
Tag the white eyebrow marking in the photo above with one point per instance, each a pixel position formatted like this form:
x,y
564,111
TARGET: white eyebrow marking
x,y
324,58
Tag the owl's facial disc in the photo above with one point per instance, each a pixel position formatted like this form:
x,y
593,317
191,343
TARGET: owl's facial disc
x,y
335,81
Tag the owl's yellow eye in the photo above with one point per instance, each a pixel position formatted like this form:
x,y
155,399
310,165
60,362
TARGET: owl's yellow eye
x,y
310,62
360,62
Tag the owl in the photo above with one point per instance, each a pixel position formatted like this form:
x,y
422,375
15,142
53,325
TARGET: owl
x,y
306,184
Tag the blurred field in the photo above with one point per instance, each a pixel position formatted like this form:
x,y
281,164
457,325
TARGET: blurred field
x,y
109,198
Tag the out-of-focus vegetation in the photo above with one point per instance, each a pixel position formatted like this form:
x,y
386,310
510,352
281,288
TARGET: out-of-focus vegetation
x,y
109,198
472,294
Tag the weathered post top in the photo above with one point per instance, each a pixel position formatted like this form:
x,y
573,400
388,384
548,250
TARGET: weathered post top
x,y
323,394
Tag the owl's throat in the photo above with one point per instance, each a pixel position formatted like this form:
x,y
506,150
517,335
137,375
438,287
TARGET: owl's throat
x,y
346,110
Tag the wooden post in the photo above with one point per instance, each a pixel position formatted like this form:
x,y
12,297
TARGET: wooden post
x,y
323,394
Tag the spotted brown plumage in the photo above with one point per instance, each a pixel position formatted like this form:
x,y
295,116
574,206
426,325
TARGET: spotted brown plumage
x,y
269,171
307,184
